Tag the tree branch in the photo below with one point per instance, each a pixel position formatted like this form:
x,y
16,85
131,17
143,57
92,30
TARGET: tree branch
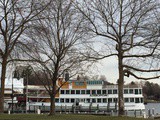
x,y
141,70
146,55
128,73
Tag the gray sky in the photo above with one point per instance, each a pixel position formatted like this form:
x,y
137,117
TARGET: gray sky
x,y
109,68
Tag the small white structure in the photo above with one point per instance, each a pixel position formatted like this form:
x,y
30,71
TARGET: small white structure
x,y
18,87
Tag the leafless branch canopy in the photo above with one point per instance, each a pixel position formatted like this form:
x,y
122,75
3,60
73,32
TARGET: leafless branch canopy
x,y
128,29
55,41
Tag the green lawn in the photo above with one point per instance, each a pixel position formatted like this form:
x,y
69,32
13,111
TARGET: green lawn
x,y
62,117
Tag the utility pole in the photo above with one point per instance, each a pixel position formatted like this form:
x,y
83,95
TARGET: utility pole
x,y
26,72
15,74
26,91
12,92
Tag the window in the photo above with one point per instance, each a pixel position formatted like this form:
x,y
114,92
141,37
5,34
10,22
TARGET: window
x,y
141,100
72,100
57,100
131,99
109,91
126,99
88,82
88,100
83,92
131,91
104,100
62,91
115,100
81,100
109,100
72,91
114,91
62,100
94,100
104,92
136,91
95,82
93,92
125,91
99,100
67,92
140,91
77,100
88,91
77,91
79,83
67,100
99,92
137,100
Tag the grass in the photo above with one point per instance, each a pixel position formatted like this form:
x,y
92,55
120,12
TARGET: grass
x,y
62,117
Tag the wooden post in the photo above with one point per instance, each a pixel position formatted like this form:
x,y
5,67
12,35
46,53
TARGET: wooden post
x,y
80,108
61,108
90,107
135,113
97,108
29,109
108,107
152,111
35,109
73,108
149,112
140,112
44,109
65,109
116,106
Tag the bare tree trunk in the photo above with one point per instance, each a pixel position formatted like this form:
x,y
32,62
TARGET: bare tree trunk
x,y
120,84
3,74
52,107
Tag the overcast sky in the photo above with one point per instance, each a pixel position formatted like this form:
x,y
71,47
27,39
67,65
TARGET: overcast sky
x,y
109,68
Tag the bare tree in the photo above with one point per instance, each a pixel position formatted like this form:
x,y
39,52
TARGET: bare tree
x,y
128,30
14,17
56,40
